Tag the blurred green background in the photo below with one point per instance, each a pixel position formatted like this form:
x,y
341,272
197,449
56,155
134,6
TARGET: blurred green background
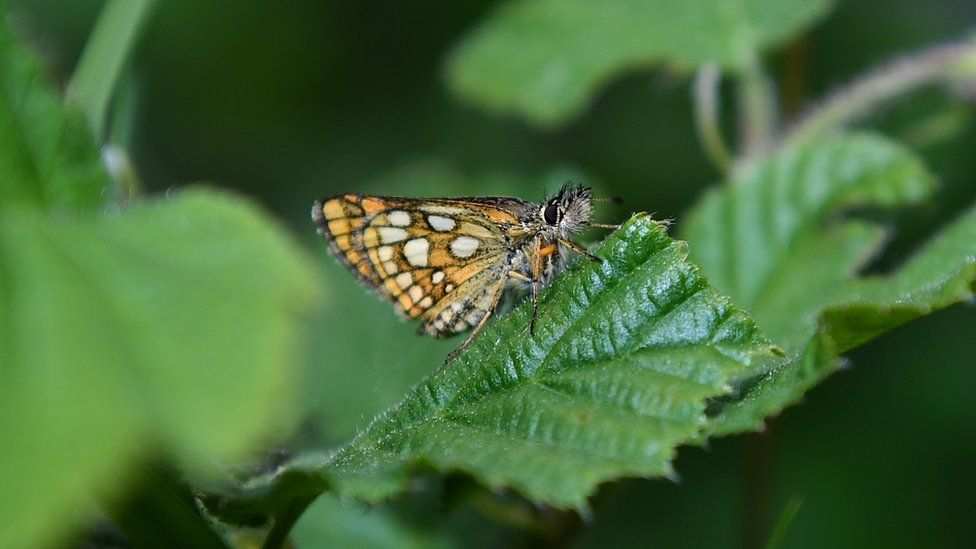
x,y
286,101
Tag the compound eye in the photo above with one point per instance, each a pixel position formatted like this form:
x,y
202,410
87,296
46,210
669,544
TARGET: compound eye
x,y
551,214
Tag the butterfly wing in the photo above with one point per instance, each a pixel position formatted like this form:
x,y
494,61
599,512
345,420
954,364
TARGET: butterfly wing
x,y
442,260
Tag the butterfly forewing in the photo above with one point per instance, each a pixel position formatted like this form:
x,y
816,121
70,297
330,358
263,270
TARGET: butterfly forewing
x,y
441,260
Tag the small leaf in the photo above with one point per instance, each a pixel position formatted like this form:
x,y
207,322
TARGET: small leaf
x,y
781,240
625,355
545,59
47,157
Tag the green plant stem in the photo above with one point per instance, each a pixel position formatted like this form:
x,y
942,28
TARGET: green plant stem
x,y
284,521
707,108
786,519
949,63
757,109
104,56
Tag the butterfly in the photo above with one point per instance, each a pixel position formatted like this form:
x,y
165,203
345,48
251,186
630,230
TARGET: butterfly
x,y
449,261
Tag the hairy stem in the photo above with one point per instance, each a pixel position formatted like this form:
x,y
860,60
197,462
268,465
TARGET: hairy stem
x,y
947,63
707,108
757,109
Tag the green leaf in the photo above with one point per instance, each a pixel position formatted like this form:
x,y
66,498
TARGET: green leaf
x,y
781,238
775,239
546,59
942,273
47,157
625,355
170,328
172,325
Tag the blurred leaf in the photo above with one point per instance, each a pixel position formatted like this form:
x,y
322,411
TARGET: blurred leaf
x,y
172,324
47,157
162,511
332,523
781,240
167,327
545,59
624,357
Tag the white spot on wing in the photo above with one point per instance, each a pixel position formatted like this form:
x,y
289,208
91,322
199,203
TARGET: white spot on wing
x,y
416,293
426,302
390,267
444,210
464,246
437,277
399,218
416,252
389,235
404,280
385,253
441,223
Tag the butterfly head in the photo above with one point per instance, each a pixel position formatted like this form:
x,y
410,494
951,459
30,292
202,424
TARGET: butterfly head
x,y
568,210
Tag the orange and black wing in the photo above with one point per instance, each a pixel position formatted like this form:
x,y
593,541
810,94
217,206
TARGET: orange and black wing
x,y
439,260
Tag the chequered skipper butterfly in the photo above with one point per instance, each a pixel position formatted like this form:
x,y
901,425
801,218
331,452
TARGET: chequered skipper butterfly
x,y
449,261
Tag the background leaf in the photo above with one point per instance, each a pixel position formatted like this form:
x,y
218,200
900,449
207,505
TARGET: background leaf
x,y
783,239
332,523
776,238
545,59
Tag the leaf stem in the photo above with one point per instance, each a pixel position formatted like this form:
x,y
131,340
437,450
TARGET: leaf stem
x,y
284,521
104,56
707,108
950,63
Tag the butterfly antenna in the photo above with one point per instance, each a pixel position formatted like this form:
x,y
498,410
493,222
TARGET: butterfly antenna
x,y
609,199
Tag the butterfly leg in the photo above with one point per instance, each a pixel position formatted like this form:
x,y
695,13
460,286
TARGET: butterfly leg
x,y
499,291
541,252
579,249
